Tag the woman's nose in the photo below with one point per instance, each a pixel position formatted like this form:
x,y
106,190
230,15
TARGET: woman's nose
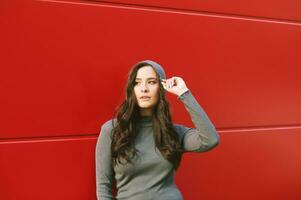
x,y
143,88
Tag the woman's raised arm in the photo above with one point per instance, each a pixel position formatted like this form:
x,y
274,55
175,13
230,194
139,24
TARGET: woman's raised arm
x,y
204,136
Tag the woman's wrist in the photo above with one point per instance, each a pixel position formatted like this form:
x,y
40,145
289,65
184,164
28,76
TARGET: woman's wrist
x,y
182,92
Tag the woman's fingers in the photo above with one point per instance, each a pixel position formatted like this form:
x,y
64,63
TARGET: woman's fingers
x,y
164,83
170,82
174,81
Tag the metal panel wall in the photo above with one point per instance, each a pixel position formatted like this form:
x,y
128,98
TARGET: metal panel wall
x,y
63,70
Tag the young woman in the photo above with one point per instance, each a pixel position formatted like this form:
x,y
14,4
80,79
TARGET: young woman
x,y
141,148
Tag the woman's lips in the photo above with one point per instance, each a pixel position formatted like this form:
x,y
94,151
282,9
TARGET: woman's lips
x,y
145,98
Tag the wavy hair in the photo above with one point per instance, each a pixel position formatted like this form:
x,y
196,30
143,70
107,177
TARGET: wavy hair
x,y
127,115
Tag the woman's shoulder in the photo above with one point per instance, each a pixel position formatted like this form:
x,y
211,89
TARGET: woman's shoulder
x,y
108,125
181,129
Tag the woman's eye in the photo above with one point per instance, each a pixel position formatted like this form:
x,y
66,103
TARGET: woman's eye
x,y
151,82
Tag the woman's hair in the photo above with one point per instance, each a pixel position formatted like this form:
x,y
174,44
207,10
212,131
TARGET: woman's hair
x,y
127,115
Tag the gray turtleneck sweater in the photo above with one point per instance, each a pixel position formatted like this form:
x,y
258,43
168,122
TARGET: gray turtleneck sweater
x,y
151,177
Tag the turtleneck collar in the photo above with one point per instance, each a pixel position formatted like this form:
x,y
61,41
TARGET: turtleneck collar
x,y
146,121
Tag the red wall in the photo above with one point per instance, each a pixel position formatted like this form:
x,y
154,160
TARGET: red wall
x,y
63,71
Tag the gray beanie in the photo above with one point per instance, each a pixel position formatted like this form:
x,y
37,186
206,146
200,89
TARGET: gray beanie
x,y
156,66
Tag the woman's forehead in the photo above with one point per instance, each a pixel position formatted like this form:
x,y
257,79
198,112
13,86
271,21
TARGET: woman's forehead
x,y
146,72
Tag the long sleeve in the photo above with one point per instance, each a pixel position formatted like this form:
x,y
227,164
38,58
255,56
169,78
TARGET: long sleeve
x,y
204,136
104,170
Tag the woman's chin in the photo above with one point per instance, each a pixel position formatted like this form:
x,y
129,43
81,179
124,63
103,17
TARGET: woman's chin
x,y
145,105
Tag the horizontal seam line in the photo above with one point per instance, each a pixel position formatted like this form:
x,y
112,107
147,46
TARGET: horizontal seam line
x,y
48,138
259,128
186,11
93,136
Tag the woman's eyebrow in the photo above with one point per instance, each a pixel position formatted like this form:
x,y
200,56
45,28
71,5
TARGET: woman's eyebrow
x,y
147,78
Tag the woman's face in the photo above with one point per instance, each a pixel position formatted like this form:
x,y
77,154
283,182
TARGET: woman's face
x,y
146,90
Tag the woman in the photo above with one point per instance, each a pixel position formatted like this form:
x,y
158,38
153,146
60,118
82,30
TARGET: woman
x,y
141,148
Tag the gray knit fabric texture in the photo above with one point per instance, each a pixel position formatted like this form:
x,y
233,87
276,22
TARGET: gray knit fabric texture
x,y
150,176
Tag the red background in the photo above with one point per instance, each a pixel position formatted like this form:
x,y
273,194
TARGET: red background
x,y
63,70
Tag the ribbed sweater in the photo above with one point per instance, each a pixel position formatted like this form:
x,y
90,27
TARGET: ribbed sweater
x,y
151,177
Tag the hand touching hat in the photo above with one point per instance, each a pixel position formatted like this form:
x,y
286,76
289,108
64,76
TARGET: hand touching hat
x,y
175,85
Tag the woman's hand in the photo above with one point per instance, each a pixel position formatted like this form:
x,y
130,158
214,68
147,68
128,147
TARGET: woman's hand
x,y
175,85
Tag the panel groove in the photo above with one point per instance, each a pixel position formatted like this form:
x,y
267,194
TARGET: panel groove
x,y
179,11
259,128
94,136
47,138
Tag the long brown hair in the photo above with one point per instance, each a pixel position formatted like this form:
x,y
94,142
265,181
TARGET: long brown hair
x,y
127,115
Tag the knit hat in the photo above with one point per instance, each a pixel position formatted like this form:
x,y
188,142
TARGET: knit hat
x,y
159,69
